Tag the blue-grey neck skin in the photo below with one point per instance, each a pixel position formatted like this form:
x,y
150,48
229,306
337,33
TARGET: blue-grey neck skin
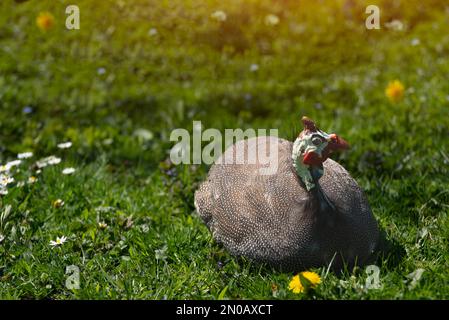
x,y
311,175
325,204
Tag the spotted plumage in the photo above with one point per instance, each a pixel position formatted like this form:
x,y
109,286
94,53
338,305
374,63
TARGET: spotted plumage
x,y
273,218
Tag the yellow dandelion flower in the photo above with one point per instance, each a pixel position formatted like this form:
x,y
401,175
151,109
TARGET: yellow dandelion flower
x,y
313,278
303,281
296,285
45,21
395,91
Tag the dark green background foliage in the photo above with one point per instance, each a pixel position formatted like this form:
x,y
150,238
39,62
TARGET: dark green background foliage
x,y
98,86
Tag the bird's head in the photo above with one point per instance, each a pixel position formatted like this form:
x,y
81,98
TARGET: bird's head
x,y
317,145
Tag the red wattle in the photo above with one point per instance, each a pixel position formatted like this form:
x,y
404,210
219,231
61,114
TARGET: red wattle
x,y
312,159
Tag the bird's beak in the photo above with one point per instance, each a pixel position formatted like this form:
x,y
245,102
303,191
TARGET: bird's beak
x,y
337,143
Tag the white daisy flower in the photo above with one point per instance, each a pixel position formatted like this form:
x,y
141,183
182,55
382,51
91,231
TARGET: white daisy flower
x,y
65,145
51,160
104,209
58,242
10,165
32,179
3,191
5,180
414,277
395,25
219,15
254,67
102,225
13,163
415,42
100,71
24,155
152,32
68,171
271,20
54,160
41,164
58,203
2,237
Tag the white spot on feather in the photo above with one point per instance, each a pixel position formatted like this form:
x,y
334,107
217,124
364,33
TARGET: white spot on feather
x,y
267,197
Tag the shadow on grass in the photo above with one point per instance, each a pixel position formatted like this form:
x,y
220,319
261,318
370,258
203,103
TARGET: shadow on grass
x,y
389,252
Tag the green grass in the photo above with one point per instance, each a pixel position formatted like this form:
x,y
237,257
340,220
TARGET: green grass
x,y
319,61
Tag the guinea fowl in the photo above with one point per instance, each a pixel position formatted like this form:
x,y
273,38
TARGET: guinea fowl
x,y
309,212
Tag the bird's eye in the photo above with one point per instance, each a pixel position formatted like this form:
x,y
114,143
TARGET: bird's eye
x,y
317,141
